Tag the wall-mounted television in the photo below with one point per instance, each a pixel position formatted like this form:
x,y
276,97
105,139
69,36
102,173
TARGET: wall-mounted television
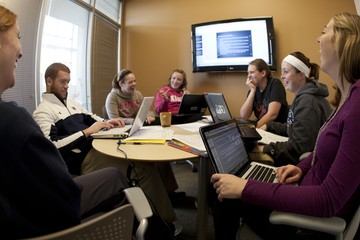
x,y
229,45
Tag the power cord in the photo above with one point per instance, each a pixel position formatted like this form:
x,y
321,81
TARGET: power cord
x,y
131,167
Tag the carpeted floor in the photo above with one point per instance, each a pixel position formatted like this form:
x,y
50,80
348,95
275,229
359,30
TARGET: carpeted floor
x,y
186,211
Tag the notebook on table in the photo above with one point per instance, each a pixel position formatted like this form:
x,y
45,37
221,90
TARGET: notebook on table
x,y
219,112
226,150
128,130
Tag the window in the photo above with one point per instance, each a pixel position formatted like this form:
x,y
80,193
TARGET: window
x,y
64,39
66,32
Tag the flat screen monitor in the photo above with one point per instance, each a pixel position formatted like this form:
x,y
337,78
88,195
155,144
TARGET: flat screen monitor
x,y
229,45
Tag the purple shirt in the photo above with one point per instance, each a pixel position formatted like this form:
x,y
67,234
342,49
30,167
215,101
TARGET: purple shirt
x,y
331,186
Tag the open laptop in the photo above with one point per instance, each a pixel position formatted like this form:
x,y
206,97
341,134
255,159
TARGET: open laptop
x,y
128,130
191,109
219,112
192,104
227,152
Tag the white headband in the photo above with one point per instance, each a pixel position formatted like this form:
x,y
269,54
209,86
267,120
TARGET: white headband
x,y
298,64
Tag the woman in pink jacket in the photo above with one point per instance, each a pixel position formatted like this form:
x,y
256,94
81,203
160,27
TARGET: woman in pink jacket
x,y
169,97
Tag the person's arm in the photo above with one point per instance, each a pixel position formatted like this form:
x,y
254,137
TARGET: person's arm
x,y
247,108
330,184
111,106
45,117
161,101
302,132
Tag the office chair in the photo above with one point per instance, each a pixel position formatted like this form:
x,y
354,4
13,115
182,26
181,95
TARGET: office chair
x,y
114,225
137,199
335,226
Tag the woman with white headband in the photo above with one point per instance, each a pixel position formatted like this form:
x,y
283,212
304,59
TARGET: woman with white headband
x,y
307,114
328,179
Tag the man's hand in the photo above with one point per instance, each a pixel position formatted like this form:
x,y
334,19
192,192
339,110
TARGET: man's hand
x,y
96,127
119,122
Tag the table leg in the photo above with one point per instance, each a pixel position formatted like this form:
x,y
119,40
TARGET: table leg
x,y
202,200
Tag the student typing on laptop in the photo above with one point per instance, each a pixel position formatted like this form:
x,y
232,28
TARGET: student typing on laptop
x,y
69,126
328,179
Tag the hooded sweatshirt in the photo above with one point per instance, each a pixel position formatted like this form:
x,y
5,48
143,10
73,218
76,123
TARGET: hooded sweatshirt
x,y
124,105
307,114
172,104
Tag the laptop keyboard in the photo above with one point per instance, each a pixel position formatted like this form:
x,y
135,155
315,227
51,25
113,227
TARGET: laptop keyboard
x,y
262,173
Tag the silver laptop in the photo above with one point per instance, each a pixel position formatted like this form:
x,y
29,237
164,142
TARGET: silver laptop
x,y
128,130
227,153
219,112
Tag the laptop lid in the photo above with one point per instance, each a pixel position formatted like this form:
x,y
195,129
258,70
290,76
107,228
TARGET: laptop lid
x,y
227,153
219,112
218,108
141,115
192,104
225,147
128,130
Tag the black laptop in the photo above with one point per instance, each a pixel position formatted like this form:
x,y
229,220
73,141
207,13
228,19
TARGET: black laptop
x,y
219,112
192,104
192,108
226,150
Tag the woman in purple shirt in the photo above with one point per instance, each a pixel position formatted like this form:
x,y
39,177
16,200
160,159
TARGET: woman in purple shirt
x,y
328,179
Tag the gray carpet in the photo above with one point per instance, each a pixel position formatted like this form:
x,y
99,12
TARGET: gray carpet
x,y
186,211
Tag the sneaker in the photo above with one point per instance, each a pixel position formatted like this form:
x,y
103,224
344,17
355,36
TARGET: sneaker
x,y
178,228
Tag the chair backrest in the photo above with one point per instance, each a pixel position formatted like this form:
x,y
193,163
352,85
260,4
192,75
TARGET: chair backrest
x,y
116,224
353,226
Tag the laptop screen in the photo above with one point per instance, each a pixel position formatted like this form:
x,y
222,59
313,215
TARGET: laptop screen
x,y
225,147
217,107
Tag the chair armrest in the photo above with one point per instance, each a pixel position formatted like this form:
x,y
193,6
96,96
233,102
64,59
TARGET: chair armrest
x,y
333,225
138,200
304,155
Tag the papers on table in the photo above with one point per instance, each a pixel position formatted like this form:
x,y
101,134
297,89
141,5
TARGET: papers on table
x,y
268,137
152,133
192,127
193,140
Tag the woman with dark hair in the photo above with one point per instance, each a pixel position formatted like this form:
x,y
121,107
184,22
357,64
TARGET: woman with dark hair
x,y
266,97
124,100
169,97
307,114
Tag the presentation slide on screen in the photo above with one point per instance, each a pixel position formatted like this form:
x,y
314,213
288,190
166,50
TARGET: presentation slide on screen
x,y
231,43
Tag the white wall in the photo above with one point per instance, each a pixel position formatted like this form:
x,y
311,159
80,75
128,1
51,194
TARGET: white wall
x,y
28,12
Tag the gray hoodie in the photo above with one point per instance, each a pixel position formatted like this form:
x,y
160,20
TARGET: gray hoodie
x,y
307,114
